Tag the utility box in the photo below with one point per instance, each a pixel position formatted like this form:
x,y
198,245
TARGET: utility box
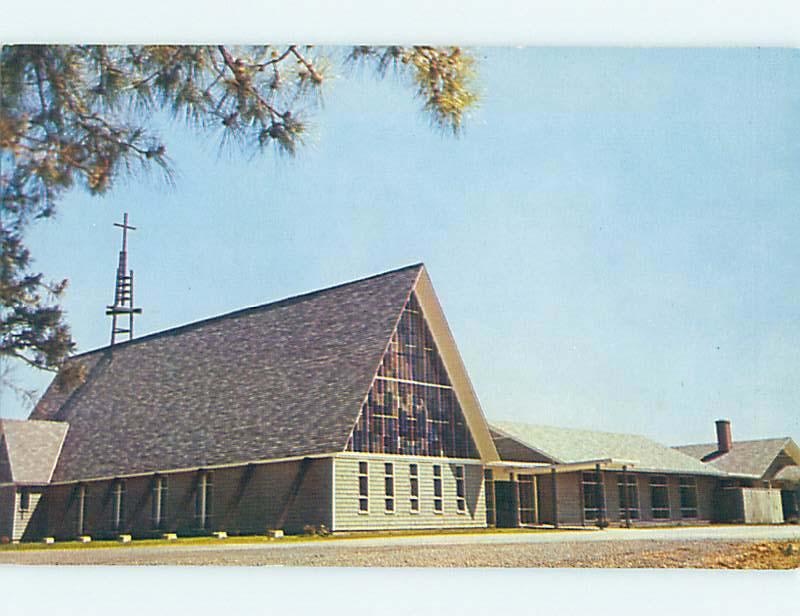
x,y
750,506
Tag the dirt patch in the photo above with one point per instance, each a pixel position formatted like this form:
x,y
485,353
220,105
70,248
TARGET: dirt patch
x,y
764,555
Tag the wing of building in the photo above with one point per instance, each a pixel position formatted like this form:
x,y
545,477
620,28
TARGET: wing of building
x,y
767,472
575,477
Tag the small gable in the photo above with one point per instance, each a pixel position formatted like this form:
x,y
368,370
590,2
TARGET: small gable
x,y
29,449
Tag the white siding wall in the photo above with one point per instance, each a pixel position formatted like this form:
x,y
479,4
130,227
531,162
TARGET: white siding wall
x,y
347,516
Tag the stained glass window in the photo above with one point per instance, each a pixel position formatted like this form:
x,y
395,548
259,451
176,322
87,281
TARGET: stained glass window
x,y
411,407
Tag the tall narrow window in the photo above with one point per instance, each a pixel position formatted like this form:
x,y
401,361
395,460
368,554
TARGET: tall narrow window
x,y
24,499
438,505
461,492
159,502
628,496
526,499
363,487
688,489
118,504
388,470
659,497
488,480
591,496
204,499
413,480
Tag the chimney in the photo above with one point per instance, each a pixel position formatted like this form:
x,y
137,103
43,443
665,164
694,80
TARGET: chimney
x,y
723,435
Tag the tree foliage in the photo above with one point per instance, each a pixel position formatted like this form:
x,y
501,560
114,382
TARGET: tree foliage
x,y
81,115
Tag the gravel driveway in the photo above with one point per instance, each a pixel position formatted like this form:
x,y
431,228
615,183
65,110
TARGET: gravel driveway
x,y
676,547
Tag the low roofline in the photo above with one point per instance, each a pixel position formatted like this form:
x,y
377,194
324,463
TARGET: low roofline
x,y
192,469
505,434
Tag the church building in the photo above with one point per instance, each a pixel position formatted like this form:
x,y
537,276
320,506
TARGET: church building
x,y
346,409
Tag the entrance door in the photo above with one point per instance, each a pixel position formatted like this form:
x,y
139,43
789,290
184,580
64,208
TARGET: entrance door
x,y
505,493
789,502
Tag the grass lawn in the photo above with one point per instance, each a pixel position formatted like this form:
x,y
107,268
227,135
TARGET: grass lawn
x,y
256,539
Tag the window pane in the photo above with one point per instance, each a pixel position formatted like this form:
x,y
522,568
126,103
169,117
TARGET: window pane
x,y
411,407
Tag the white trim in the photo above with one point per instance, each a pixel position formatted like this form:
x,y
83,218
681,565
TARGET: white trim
x,y
410,382
455,368
399,457
58,453
333,494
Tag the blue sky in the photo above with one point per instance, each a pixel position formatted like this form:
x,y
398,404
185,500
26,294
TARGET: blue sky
x,y
613,239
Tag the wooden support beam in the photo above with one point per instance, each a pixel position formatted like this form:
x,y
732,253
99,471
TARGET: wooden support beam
x,y
601,497
625,503
554,491
294,489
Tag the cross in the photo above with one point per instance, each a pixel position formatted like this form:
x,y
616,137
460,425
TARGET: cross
x,y
124,226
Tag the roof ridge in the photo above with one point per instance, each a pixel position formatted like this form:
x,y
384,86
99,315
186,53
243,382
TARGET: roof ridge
x,y
537,425
242,311
734,442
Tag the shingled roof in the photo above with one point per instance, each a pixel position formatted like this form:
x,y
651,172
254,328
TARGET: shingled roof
x,y
752,458
280,380
570,446
788,473
29,450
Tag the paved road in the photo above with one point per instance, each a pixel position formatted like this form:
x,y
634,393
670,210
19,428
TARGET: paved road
x,y
636,547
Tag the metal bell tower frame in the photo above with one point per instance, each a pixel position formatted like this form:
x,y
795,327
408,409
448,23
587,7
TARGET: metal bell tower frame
x,y
123,292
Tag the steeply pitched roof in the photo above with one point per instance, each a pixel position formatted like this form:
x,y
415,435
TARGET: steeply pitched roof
x,y
745,457
279,380
31,448
569,446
